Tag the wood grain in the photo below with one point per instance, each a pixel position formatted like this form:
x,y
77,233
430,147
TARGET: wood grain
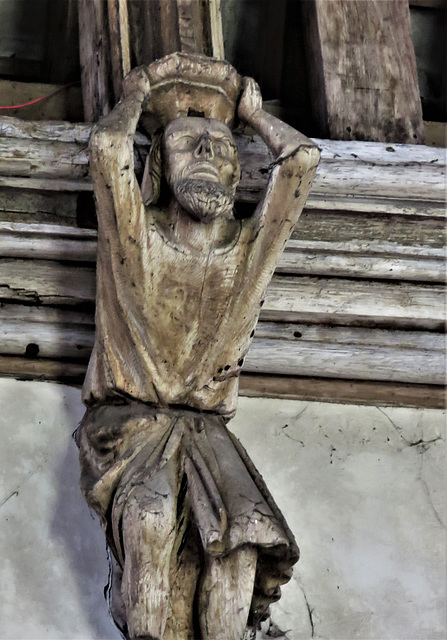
x,y
376,238
354,251
94,51
359,176
355,302
287,387
364,70
278,348
344,391
288,299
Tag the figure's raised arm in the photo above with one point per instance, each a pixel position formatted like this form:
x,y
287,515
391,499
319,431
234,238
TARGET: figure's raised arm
x,y
111,150
296,160
282,139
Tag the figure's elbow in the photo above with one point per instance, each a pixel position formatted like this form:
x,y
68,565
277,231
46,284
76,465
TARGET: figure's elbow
x,y
106,139
300,157
105,143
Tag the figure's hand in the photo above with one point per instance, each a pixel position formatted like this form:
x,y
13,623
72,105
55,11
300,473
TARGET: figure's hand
x,y
250,101
137,83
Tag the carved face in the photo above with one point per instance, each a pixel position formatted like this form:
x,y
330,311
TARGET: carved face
x,y
201,166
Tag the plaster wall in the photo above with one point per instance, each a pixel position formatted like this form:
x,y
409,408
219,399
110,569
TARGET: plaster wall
x,y
362,488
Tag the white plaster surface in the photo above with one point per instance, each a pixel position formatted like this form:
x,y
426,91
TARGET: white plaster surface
x,y
362,488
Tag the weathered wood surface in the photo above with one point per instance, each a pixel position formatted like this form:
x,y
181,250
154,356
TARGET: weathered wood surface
x,y
259,386
342,391
47,242
181,281
280,349
382,178
288,299
364,71
119,43
46,282
335,250
349,302
334,359
116,35
349,254
33,206
397,178
94,53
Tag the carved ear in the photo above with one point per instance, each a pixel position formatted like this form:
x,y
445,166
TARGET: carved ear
x,y
150,184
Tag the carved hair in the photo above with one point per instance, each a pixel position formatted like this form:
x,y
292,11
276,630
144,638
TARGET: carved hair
x,y
153,171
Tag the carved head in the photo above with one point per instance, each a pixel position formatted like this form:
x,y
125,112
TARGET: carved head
x,y
200,163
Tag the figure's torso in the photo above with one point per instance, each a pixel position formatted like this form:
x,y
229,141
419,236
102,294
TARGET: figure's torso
x,y
173,324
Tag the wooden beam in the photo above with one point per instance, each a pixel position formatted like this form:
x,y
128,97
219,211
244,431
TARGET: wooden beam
x,y
355,302
159,27
119,43
357,247
39,206
34,369
363,70
94,52
280,349
288,299
325,259
350,359
287,387
343,391
356,176
215,29
116,35
47,242
383,329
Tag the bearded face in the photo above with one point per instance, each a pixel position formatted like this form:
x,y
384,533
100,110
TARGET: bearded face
x,y
201,167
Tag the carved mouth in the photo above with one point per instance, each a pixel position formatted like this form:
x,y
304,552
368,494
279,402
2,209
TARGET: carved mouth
x,y
204,171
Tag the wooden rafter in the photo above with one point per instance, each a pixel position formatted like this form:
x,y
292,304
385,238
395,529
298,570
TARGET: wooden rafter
x,y
116,35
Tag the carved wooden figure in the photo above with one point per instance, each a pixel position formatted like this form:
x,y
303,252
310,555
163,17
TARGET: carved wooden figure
x,y
200,548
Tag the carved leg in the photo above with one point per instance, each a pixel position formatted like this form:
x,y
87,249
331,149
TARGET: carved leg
x,y
149,532
225,594
184,573
162,559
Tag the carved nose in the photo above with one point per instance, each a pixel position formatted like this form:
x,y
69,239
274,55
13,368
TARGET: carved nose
x,y
204,148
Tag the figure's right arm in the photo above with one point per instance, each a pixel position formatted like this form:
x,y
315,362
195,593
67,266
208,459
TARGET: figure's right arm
x,y
112,157
296,160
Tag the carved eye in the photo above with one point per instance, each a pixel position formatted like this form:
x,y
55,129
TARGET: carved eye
x,y
184,143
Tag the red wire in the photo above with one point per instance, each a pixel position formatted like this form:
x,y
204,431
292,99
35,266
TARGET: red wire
x,y
27,104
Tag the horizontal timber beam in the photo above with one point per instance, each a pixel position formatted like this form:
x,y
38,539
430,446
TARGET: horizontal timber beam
x,y
278,348
288,299
356,175
356,247
287,387
343,391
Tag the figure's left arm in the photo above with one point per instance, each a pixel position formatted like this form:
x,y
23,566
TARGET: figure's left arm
x,y
296,161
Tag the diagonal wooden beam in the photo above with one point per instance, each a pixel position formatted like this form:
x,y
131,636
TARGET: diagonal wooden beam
x,y
363,70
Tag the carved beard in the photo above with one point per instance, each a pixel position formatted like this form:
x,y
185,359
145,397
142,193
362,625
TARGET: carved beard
x,y
204,200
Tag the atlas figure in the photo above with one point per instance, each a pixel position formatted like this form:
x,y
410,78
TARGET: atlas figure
x,y
199,546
